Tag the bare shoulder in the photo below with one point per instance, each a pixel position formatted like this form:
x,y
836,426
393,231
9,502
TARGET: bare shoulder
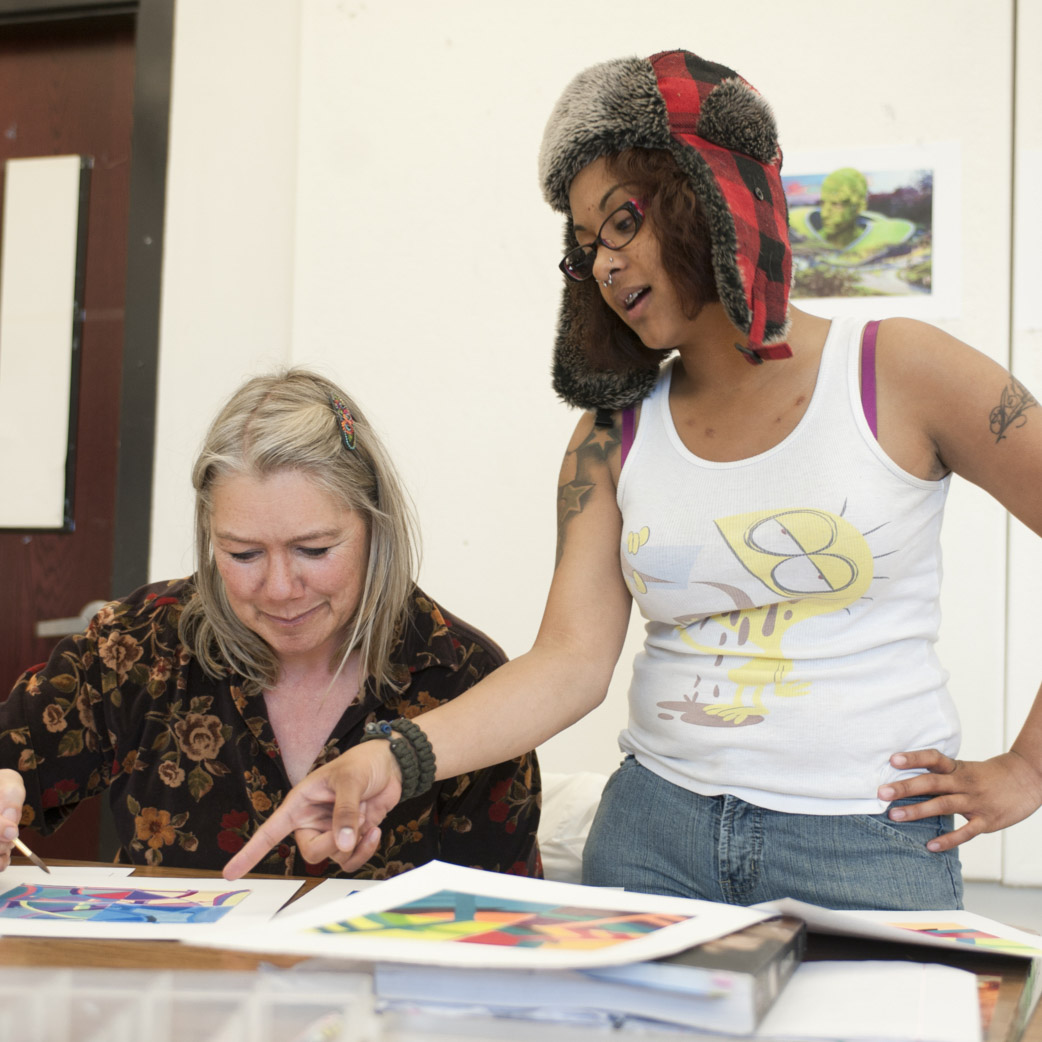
x,y
980,420
908,345
599,431
589,474
595,446
953,384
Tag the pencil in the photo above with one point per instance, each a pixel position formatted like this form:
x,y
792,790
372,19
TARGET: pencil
x,y
38,862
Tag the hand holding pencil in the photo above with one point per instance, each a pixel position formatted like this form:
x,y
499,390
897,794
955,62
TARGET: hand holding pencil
x,y
34,858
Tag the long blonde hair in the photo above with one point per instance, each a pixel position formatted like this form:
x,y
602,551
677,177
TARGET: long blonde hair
x,y
285,421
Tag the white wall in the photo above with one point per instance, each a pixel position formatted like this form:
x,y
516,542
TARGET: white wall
x,y
229,236
1022,846
353,186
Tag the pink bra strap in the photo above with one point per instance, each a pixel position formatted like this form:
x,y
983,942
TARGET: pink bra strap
x,y
868,375
628,423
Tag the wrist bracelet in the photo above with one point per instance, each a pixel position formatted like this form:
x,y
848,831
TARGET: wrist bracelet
x,y
412,751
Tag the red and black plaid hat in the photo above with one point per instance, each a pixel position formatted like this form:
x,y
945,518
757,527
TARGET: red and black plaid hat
x,y
722,135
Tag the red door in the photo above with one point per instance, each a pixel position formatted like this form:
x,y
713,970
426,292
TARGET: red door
x,y
67,88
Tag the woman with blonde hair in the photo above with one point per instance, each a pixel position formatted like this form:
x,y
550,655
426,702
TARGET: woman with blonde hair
x,y
198,703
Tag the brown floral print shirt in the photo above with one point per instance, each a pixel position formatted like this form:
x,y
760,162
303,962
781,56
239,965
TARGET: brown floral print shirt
x,y
192,766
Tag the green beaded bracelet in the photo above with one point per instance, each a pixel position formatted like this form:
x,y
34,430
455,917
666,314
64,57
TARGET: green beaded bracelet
x,y
412,751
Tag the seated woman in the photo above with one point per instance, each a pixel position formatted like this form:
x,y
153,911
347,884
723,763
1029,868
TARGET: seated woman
x,y
199,703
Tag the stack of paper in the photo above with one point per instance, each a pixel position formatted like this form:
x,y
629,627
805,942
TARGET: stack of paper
x,y
454,939
446,936
723,985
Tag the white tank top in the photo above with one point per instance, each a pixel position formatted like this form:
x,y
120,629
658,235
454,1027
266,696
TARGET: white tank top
x,y
791,602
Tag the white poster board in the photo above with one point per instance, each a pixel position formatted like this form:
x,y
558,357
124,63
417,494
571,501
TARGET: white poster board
x,y
38,319
75,902
449,915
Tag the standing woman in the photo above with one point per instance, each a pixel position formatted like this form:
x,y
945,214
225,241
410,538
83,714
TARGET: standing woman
x,y
198,703
770,497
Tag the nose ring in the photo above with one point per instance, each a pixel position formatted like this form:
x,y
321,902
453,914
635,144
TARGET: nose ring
x,y
611,260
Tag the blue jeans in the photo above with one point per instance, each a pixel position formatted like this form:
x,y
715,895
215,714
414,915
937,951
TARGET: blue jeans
x,y
652,836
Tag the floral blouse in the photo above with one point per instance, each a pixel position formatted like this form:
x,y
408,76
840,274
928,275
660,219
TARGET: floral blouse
x,y
192,765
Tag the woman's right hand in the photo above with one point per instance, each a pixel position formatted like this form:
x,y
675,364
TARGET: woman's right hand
x,y
12,796
334,812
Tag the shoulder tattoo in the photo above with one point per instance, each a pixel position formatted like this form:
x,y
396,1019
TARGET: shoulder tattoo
x,y
1009,413
589,460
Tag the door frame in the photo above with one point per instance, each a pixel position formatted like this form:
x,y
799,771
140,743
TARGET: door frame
x,y
153,59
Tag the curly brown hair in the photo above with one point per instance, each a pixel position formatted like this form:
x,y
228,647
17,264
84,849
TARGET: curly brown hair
x,y
670,207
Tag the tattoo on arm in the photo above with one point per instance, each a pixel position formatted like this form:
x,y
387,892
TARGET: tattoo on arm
x,y
1015,401
590,459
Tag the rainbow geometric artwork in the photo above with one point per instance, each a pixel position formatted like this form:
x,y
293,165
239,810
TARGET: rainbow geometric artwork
x,y
449,915
937,928
467,918
964,934
117,904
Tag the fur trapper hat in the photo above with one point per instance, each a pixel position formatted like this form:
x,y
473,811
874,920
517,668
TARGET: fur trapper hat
x,y
722,135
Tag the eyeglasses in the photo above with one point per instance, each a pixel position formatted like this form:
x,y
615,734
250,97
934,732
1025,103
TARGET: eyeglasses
x,y
618,230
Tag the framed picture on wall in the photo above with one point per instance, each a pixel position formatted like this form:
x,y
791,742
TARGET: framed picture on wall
x,y
876,231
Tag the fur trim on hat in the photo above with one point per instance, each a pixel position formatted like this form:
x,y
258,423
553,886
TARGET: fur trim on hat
x,y
603,111
736,117
575,380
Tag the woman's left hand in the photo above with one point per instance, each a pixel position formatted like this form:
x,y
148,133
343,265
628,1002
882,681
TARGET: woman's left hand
x,y
991,794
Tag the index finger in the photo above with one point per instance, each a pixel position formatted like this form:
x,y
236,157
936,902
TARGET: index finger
x,y
268,833
308,805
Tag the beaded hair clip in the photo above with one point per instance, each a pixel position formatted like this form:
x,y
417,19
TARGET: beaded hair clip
x,y
346,422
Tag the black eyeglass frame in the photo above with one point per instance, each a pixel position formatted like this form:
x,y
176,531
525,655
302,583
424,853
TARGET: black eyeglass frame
x,y
588,252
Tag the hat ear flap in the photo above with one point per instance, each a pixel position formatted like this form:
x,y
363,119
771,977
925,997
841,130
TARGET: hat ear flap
x,y
575,379
737,118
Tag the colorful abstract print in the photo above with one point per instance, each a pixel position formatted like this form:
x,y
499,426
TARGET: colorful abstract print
x,y
472,919
969,935
117,904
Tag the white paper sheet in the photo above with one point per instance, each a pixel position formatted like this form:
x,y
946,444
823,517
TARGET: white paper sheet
x,y
852,1001
949,928
61,874
878,1001
79,902
578,925
559,995
325,893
